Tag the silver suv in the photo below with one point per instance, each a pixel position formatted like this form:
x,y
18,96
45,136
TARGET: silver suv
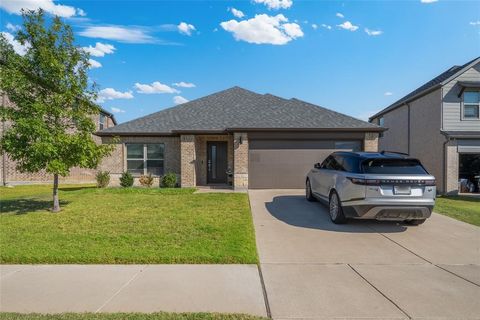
x,y
371,185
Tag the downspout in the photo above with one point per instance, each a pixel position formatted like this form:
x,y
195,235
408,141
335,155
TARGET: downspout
x,y
408,132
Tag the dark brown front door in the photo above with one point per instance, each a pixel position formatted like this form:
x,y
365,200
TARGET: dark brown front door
x,y
216,162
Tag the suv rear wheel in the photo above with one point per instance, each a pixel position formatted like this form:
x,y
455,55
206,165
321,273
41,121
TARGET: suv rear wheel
x,y
335,209
308,191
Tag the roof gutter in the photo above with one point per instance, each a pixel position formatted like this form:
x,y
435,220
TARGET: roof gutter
x,y
373,129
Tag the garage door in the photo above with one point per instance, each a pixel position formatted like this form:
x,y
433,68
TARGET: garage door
x,y
281,164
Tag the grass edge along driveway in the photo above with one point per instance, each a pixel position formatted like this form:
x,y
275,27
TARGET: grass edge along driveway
x,y
463,208
124,226
128,316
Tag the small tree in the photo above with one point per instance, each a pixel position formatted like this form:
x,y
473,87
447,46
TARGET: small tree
x,y
51,120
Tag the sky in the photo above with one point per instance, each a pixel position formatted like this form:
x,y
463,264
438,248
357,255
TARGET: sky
x,y
354,57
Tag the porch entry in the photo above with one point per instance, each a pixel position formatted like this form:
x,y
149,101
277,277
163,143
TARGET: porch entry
x,y
217,162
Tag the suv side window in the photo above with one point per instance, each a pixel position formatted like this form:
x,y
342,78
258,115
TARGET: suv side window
x,y
326,163
351,164
338,163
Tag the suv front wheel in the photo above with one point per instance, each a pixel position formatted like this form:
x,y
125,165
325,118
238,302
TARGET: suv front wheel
x,y
335,209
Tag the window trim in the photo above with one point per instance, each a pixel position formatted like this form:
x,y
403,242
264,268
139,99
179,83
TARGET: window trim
x,y
145,158
380,120
462,111
102,125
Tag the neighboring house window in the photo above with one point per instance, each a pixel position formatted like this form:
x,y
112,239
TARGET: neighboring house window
x,y
381,123
348,145
471,105
102,121
145,158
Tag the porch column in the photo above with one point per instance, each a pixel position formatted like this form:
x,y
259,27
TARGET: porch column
x,y
187,161
240,160
370,143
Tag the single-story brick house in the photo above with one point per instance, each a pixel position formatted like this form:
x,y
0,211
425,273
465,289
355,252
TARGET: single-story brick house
x,y
235,137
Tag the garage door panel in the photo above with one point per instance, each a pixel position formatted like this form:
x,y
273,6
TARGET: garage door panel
x,y
285,168
284,164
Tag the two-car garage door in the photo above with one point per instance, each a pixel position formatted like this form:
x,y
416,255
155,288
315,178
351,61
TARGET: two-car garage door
x,y
284,163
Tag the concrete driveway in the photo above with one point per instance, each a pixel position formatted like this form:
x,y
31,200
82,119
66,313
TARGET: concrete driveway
x,y
366,269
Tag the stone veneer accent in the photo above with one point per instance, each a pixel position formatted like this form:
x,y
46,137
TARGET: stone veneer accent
x,y
187,161
240,160
370,143
451,174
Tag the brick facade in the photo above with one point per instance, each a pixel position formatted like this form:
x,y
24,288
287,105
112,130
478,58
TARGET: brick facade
x,y
187,161
370,143
240,168
10,175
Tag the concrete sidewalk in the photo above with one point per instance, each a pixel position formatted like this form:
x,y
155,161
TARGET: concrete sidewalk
x,y
131,288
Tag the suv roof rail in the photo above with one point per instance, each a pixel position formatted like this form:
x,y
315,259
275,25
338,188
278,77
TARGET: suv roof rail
x,y
394,152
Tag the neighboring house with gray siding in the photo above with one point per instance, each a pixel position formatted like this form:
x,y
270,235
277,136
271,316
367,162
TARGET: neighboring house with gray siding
x,y
439,123
235,137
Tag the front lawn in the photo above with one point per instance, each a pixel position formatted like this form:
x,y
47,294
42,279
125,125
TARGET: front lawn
x,y
117,225
462,208
128,316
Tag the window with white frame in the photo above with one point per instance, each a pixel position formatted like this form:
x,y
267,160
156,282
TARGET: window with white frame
x,y
145,158
471,105
102,122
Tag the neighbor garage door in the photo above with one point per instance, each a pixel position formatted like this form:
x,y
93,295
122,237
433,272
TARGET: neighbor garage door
x,y
283,164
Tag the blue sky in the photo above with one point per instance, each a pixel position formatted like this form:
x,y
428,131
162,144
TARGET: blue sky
x,y
354,57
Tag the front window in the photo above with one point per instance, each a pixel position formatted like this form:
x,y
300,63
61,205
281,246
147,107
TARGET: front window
x,y
145,158
102,121
471,105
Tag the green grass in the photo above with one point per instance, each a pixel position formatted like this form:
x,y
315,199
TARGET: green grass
x,y
462,208
124,226
128,316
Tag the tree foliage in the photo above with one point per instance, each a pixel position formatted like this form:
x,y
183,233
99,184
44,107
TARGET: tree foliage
x,y
51,121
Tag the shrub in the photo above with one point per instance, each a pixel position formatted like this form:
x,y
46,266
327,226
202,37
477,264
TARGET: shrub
x,y
103,179
126,180
146,181
169,180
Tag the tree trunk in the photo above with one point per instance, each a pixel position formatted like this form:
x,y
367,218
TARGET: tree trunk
x,y
56,203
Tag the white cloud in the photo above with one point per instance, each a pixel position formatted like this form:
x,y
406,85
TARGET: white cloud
x,y
182,84
388,93
117,110
179,100
326,26
347,25
340,15
81,13
155,87
237,13
100,49
110,94
428,1
373,32
186,28
276,4
15,7
314,26
17,46
475,23
118,33
264,29
13,27
94,64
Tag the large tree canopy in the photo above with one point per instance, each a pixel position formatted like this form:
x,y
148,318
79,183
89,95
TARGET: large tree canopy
x,y
51,122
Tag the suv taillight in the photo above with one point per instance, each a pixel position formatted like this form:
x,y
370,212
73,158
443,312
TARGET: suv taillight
x,y
377,182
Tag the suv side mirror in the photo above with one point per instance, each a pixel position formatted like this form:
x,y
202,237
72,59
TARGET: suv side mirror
x,y
317,165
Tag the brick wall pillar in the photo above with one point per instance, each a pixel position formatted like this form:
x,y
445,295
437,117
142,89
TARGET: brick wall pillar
x,y
187,161
451,175
240,160
370,142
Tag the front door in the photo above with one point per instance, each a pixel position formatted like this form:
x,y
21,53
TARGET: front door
x,y
216,162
